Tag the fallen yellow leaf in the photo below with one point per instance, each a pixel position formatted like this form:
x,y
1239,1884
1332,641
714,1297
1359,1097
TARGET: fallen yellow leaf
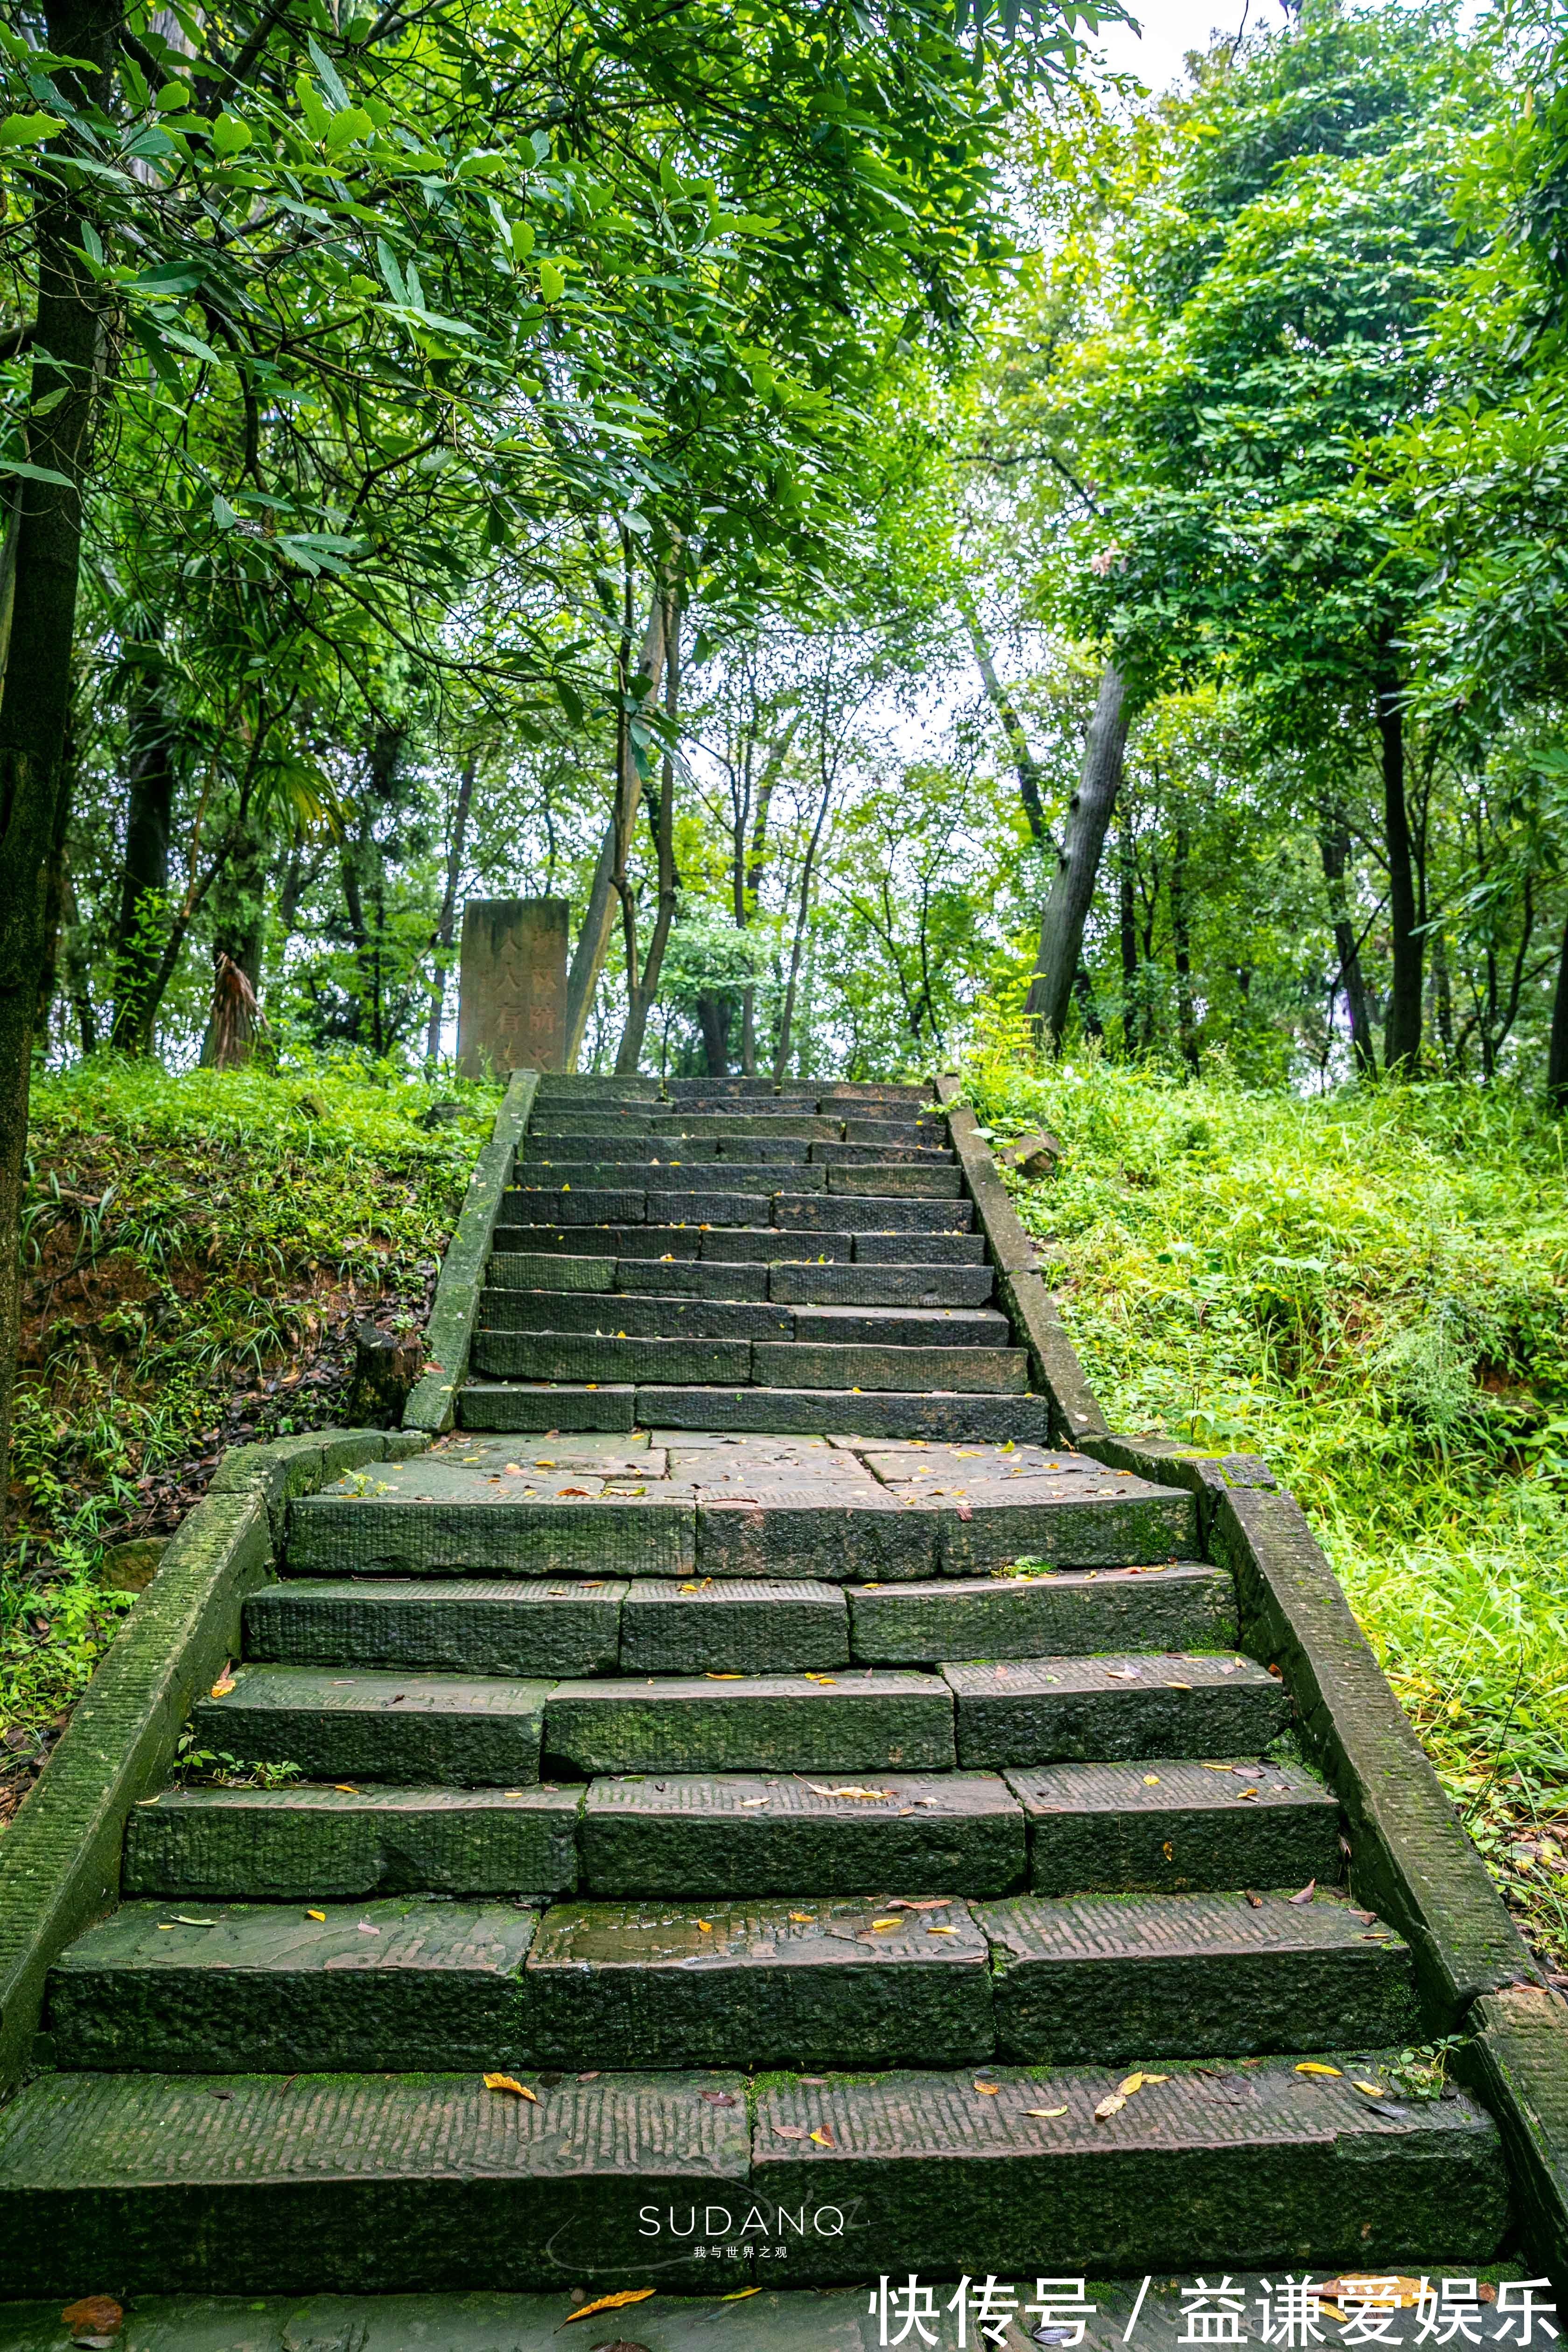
x,y
222,1690
706,1925
1311,2066
824,2138
1109,2107
880,1924
1044,2111
988,2090
345,1788
1129,2084
932,1929
510,2083
315,1915
610,2303
1151,1779
803,1918
1372,2090
740,2294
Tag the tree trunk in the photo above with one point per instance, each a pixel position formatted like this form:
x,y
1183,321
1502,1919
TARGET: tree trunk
x,y
1181,941
387,1365
57,892
1402,1021
445,928
240,936
1334,848
1078,862
1026,767
594,938
641,994
1127,914
144,887
1557,1051
803,913
36,702
714,1012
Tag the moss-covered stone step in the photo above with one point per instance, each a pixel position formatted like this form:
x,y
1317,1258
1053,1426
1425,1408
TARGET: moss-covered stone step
x,y
1064,1509
476,1626
796,1364
628,1315
758,1150
672,1175
797,1981
600,1241
862,1155
762,1245
608,1406
1191,1976
700,1835
738,1087
551,1123
392,2183
900,1092
909,1248
600,1206
853,1723
1247,2169
865,1125
539,1270
881,1286
788,1123
622,1150
307,1843
1169,1824
1041,1617
839,1324
396,1982
476,1509
696,1624
795,1523
565,1085
908,1179
691,1278
799,1212
1075,1710
578,1355
458,1731
869,1412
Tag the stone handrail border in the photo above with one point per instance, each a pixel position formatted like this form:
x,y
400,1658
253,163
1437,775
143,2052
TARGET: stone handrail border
x,y
449,1335
60,1859
1410,1859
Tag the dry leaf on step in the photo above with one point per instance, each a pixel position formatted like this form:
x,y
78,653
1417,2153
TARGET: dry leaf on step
x,y
1044,2111
98,2314
610,2303
1307,1891
510,2083
790,2131
1109,2107
824,2138
1311,2066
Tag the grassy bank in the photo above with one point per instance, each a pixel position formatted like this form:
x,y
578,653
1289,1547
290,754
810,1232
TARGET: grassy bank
x,y
1370,1290
197,1249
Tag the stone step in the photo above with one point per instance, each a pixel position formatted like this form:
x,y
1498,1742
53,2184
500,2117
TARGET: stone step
x,y
406,2183
545,1270
1033,1510
1254,2168
908,1178
397,1982
857,1723
370,2182
480,1625
545,1411
887,1155
739,1089
1089,1710
743,1246
549,1125
909,1248
1066,1614
674,1175
702,1835
1166,1824
690,1279
623,1315
617,1151
577,1356
800,1363
800,1211
457,1730
864,1126
877,1090
311,1843
775,1150
879,1285
672,1206
903,1326
440,1513
870,1413
787,1122
567,1087
1192,1976
770,1982
697,1626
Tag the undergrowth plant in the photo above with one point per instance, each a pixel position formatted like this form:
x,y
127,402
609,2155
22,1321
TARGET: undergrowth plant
x,y
196,1249
1368,1289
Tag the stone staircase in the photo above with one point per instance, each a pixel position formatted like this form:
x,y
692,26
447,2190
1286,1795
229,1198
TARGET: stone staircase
x,y
845,1823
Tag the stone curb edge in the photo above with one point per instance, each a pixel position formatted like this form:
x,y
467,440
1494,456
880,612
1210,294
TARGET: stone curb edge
x,y
455,1310
1410,1858
60,1860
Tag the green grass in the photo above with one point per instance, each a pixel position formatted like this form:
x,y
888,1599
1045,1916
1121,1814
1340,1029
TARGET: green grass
x,y
1368,1289
196,1249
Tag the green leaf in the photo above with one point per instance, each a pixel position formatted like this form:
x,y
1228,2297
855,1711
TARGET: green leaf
x,y
231,136
552,281
329,73
28,130
34,473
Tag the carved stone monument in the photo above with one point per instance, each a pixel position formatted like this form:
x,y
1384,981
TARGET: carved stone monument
x,y
511,988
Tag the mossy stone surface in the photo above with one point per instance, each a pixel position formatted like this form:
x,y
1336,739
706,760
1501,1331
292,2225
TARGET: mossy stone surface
x,y
1043,1616
859,1723
456,1730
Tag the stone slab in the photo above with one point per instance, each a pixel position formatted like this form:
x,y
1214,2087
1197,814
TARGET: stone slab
x,y
1041,1617
539,1270
744,1833
479,1510
508,1405
838,1323
308,1843
625,1315
805,1212
1266,2166
457,1730
887,1286
1094,1978
920,1249
989,1371
597,1205
1077,1710
857,1413
392,1982
511,986
395,2182
692,1278
599,1241
786,1122
855,1723
763,1244
538,1150
1169,1825
905,1178
577,1356
695,1625
464,1626
767,1983
833,1529
1066,1514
